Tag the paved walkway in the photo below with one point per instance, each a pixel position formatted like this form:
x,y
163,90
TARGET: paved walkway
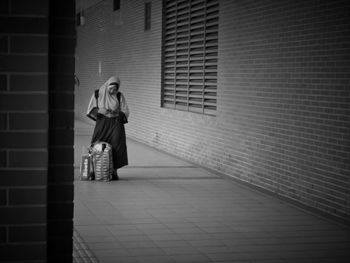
x,y
166,210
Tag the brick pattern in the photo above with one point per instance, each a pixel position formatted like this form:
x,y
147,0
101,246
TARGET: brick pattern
x,y
286,97
36,200
60,138
282,102
23,131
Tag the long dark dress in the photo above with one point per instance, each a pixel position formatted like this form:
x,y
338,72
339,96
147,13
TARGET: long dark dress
x,y
112,131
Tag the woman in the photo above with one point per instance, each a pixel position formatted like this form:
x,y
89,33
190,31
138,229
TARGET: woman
x,y
108,126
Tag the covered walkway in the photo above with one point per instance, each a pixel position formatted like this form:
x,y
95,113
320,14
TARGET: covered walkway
x,y
167,210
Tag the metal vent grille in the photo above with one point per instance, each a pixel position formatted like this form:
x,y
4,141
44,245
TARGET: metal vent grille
x,y
190,55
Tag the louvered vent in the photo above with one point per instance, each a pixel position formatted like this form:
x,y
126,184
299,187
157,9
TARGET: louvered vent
x,y
190,55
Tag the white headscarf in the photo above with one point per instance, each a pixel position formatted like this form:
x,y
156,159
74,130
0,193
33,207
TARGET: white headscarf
x,y
108,104
106,101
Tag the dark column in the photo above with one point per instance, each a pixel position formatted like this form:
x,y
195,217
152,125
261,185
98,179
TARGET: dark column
x,y
37,42
61,134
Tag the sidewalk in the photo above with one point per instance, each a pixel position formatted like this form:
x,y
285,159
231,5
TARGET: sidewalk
x,y
166,210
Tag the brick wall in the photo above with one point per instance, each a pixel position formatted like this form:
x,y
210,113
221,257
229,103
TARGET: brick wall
x,y
62,42
35,181
283,94
284,78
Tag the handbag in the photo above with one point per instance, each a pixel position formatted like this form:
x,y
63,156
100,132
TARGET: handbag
x,y
86,168
93,113
102,161
121,116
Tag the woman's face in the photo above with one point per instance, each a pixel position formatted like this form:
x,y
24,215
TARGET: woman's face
x,y
113,89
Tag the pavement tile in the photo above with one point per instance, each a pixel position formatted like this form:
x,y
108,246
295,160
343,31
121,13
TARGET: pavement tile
x,y
165,237
132,238
228,257
139,244
166,210
171,243
118,259
154,251
180,250
155,259
191,258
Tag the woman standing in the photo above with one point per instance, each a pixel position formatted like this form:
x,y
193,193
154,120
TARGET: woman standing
x,y
109,127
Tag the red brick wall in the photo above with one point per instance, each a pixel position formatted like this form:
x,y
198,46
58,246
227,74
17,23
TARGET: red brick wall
x,y
36,190
283,94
